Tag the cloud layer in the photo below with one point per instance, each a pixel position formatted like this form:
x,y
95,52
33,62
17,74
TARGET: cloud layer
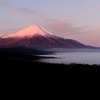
x,y
64,28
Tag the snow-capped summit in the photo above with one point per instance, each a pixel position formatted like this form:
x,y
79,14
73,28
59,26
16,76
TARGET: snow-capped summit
x,y
29,32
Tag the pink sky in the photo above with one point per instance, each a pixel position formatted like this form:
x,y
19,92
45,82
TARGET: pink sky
x,y
76,19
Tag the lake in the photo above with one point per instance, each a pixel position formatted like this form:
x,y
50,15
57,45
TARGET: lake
x,y
73,57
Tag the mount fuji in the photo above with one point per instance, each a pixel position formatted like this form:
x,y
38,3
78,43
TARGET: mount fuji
x,y
39,38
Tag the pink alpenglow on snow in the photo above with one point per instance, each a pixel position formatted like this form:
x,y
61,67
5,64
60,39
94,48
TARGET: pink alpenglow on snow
x,y
29,32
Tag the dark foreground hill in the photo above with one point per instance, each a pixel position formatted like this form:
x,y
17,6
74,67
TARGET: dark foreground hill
x,y
27,67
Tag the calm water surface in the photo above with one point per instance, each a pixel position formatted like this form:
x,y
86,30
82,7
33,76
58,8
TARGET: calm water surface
x,y
74,57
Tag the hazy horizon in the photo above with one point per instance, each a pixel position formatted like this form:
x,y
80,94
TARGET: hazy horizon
x,y
74,19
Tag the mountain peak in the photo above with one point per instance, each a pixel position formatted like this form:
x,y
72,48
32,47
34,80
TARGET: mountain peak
x,y
29,32
38,37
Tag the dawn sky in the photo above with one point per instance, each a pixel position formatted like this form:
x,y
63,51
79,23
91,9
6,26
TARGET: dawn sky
x,y
76,19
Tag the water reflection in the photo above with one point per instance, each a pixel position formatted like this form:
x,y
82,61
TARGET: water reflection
x,y
74,57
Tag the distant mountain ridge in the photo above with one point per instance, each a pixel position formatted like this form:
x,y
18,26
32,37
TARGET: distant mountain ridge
x,y
39,38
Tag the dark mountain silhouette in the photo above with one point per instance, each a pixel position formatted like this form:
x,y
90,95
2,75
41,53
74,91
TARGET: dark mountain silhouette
x,y
21,54
24,50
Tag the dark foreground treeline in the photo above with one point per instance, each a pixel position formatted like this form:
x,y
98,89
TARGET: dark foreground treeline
x,y
26,66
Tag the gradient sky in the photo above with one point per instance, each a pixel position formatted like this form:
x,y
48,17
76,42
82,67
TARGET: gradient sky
x,y
76,19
